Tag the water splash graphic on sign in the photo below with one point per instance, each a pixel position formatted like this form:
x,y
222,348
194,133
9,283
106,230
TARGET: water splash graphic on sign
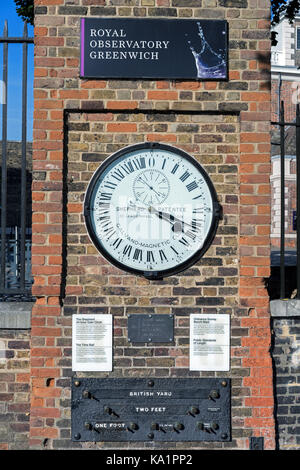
x,y
209,62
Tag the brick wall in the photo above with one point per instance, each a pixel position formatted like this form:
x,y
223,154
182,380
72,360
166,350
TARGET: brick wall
x,y
226,126
14,389
286,356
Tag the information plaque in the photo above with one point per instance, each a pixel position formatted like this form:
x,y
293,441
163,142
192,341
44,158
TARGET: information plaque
x,y
92,342
150,328
146,409
153,48
209,342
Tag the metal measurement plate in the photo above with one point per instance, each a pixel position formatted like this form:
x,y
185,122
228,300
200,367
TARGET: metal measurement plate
x,y
135,409
150,328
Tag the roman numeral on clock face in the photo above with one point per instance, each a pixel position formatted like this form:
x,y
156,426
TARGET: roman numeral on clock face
x,y
110,185
185,176
138,255
128,167
105,196
118,175
162,255
191,186
117,242
139,163
150,256
127,250
175,168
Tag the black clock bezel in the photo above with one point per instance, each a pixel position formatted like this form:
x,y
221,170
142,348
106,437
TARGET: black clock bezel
x,y
160,274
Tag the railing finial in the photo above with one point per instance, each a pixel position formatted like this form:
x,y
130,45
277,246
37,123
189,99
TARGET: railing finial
x,y
5,29
25,30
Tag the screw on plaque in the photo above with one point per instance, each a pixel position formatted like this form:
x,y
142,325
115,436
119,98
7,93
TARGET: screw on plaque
x,y
132,427
150,383
88,395
193,411
154,427
77,436
214,394
224,435
77,383
178,427
224,383
110,411
150,435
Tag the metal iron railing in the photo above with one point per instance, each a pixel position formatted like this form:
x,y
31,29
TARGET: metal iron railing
x,y
15,253
283,125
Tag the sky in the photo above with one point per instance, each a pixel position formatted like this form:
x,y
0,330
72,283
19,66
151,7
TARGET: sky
x,y
14,100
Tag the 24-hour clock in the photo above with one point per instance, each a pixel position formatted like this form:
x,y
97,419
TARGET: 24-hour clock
x,y
151,210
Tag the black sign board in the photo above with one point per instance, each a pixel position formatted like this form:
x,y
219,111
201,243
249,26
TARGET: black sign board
x,y
153,48
143,409
150,328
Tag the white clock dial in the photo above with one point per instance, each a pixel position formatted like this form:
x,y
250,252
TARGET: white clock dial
x,y
151,209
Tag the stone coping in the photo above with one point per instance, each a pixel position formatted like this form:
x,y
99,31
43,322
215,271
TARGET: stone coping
x,y
285,308
15,315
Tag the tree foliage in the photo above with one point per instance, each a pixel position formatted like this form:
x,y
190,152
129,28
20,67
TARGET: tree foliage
x,y
279,9
25,9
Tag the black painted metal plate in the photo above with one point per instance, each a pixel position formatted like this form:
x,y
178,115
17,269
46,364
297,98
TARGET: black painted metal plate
x,y
135,409
256,443
150,328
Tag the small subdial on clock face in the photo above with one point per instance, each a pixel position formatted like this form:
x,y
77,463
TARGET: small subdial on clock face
x,y
151,187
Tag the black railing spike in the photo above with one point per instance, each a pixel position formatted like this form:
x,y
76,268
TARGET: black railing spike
x,y
4,159
15,255
25,30
282,203
5,29
298,196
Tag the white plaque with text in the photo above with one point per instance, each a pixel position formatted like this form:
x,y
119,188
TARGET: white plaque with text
x,y
92,342
210,342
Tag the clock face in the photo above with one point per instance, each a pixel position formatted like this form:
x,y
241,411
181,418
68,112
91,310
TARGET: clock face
x,y
151,209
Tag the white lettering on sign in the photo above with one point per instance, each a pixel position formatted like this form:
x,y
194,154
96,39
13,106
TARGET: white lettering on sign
x,y
150,394
115,44
116,55
150,48
108,32
153,409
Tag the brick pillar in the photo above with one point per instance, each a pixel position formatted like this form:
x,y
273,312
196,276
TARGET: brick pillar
x,y
225,125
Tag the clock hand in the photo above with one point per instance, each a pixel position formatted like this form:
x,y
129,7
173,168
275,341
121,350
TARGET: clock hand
x,y
169,217
150,187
